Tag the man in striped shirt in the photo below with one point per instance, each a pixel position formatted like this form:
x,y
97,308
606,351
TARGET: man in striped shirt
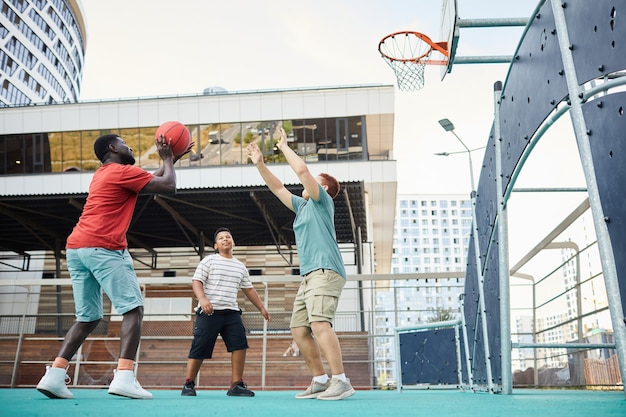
x,y
215,283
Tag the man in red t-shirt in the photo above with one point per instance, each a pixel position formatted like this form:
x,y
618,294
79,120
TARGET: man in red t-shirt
x,y
98,260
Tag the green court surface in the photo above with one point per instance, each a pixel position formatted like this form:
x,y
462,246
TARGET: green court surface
x,y
439,403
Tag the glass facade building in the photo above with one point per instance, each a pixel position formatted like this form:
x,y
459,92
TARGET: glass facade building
x,y
319,139
350,128
42,51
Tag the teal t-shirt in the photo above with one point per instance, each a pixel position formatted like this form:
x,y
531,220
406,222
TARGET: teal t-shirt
x,y
314,227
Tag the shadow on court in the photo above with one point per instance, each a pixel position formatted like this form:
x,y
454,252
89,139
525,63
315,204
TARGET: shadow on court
x,y
444,403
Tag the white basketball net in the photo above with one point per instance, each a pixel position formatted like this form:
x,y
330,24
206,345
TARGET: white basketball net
x,y
407,54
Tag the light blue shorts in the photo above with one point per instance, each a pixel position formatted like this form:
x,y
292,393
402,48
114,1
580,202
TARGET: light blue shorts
x,y
94,270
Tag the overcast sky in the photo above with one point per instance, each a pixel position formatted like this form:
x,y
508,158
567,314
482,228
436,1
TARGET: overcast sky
x,y
161,47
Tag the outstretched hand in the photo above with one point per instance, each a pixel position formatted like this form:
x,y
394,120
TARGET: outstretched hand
x,y
189,149
283,139
254,153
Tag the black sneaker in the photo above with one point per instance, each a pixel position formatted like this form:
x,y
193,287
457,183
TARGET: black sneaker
x,y
189,389
239,389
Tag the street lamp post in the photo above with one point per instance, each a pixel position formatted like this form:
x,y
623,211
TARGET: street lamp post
x,y
448,126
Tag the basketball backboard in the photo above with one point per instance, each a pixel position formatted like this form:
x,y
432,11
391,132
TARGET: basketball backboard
x,y
449,32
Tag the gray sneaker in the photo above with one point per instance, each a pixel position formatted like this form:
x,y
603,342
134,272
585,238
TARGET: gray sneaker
x,y
313,390
338,390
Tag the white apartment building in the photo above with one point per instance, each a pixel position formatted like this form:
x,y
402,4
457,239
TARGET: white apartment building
x,y
430,241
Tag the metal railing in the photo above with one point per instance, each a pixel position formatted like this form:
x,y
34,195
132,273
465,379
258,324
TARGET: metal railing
x,y
366,323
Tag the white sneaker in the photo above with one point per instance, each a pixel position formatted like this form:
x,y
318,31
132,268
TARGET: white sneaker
x,y
53,383
126,385
315,389
338,390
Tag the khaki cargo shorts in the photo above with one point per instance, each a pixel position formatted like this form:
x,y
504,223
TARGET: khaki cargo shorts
x,y
317,298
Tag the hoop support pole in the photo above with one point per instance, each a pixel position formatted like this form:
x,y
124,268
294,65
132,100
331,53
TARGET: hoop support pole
x,y
494,59
490,23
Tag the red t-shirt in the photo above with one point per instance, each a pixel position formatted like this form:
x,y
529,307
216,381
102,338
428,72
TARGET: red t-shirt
x,y
109,208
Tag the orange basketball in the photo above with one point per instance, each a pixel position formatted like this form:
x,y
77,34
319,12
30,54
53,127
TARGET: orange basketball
x,y
179,135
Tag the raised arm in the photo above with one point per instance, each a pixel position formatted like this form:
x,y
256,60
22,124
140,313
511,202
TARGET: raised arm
x,y
299,167
164,181
273,183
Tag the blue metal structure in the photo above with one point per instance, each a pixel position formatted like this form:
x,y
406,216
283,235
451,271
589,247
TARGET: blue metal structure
x,y
570,52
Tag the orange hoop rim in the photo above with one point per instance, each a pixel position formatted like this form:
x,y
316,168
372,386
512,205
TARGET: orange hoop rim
x,y
441,47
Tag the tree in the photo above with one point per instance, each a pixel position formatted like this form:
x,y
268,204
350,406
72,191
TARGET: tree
x,y
442,315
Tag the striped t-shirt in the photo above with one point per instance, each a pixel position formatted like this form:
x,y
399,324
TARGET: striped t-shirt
x,y
222,278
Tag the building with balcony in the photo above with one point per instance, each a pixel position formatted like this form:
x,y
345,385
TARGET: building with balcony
x,y
47,162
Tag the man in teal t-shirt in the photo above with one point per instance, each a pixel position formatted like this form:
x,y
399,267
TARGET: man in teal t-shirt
x,y
314,228
321,266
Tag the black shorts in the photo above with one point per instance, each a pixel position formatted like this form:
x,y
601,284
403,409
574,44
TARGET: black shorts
x,y
226,323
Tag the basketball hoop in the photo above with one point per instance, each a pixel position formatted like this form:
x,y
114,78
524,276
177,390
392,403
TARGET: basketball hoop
x,y
408,53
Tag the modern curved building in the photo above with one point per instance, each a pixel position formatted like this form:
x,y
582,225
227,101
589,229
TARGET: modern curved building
x,y
42,51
